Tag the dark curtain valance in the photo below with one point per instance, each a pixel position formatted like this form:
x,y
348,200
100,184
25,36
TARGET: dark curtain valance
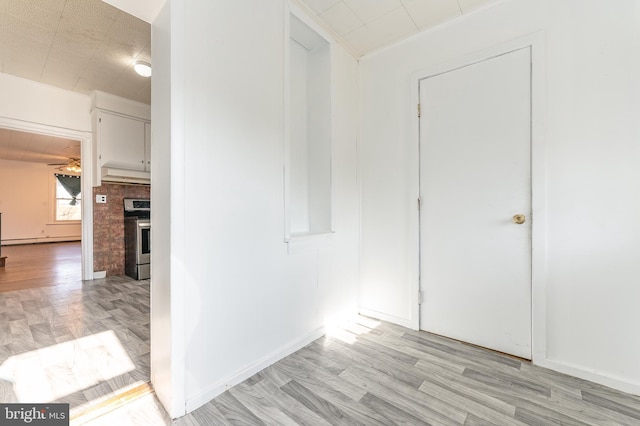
x,y
71,184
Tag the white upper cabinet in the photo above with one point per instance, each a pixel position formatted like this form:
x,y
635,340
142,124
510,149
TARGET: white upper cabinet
x,y
122,139
121,142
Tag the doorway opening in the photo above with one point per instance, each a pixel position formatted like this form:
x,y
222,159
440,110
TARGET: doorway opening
x,y
45,197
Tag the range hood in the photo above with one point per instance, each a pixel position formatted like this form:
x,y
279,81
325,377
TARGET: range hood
x,y
109,174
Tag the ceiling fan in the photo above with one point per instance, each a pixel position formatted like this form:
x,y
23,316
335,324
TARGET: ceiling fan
x,y
71,165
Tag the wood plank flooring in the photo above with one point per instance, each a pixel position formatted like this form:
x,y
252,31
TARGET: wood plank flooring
x,y
376,373
56,341
40,265
80,343
114,403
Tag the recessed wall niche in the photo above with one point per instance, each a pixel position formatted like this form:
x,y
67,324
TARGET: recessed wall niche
x,y
308,146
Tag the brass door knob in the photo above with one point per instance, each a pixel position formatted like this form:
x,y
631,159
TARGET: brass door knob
x,y
519,219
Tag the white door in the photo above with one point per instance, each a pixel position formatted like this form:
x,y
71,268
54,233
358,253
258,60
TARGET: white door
x,y
475,176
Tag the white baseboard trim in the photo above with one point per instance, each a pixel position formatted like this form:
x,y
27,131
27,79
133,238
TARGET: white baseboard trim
x,y
99,274
620,384
404,322
38,240
241,375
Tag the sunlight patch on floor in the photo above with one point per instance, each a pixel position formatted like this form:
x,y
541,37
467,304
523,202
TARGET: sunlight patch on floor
x,y
349,329
53,372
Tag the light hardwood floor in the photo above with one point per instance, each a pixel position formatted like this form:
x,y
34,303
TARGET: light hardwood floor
x,y
40,265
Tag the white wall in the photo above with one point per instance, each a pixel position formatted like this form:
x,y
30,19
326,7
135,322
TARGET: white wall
x,y
26,205
591,162
35,107
299,171
34,102
310,131
247,302
319,134
167,197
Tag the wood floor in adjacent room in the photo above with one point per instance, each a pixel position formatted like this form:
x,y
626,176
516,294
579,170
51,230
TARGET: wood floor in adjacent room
x,y
40,265
375,373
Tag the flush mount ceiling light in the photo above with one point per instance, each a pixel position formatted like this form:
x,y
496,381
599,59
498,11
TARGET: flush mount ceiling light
x,y
143,68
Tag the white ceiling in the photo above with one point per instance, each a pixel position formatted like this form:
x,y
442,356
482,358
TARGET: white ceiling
x,y
22,146
147,10
78,45
366,25
85,45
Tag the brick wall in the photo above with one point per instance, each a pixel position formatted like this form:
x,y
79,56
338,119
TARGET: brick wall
x,y
108,225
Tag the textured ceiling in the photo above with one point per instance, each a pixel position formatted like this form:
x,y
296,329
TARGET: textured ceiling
x,y
366,25
23,146
85,45
78,45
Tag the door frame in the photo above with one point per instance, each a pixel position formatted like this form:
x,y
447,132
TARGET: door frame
x,y
536,42
86,154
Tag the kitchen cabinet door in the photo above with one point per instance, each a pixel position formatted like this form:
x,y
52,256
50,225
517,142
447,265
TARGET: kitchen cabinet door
x,y
147,146
121,142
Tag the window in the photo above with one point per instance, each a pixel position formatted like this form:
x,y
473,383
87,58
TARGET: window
x,y
68,198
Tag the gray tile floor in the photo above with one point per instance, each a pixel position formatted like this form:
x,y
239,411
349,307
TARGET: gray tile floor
x,y
78,343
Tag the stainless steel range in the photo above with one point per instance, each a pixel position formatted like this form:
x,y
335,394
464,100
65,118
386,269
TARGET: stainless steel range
x,y
137,238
